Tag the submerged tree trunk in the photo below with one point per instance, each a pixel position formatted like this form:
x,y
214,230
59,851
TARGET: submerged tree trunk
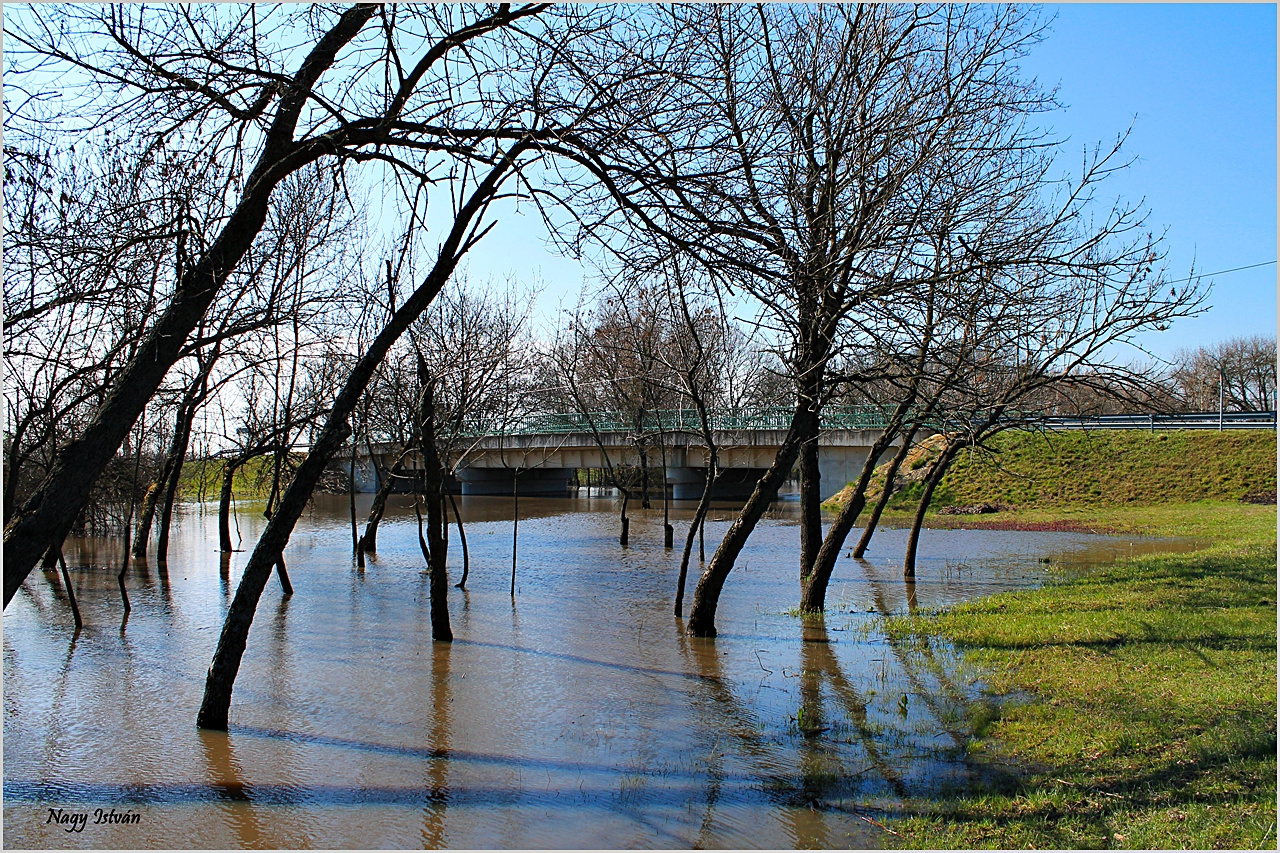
x,y
668,532
224,506
706,596
515,526
171,470
152,500
433,488
695,528
351,492
179,454
814,590
810,494
624,532
47,517
369,541
643,447
147,514
71,593
885,495
235,631
462,536
936,473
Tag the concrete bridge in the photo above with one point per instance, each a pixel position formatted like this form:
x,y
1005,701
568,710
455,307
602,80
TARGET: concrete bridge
x,y
543,453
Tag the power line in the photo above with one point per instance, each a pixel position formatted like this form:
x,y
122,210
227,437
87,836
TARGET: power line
x,y
1224,272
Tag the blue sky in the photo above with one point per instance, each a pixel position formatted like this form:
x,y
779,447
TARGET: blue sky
x,y
1198,85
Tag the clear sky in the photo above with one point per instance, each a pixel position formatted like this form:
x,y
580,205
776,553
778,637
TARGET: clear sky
x,y
1198,85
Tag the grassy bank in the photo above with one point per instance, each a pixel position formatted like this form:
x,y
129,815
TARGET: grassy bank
x,y
252,481
1027,470
1142,696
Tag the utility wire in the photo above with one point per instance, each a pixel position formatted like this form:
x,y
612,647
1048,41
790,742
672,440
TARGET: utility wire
x,y
1224,272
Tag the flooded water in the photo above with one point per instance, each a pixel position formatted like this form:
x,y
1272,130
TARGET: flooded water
x,y
577,715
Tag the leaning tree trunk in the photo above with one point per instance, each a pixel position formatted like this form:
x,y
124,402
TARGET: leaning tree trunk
x,y
179,455
699,518
151,501
706,596
462,536
936,473
147,514
46,518
216,705
885,495
369,541
814,591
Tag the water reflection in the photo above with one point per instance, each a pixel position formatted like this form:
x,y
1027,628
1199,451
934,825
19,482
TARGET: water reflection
x,y
579,715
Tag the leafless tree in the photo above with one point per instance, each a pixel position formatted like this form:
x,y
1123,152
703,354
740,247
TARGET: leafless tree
x,y
1245,368
387,84
510,122
819,158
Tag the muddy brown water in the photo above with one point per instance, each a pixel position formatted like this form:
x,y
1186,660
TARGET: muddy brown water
x,y
577,715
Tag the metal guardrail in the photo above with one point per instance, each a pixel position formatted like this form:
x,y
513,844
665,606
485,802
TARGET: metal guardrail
x,y
1152,422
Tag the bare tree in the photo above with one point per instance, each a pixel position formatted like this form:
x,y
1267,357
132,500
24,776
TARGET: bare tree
x,y
1239,372
818,161
268,114
511,126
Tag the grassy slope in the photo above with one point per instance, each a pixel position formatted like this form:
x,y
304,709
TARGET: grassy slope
x,y
1116,467
1151,720
1096,469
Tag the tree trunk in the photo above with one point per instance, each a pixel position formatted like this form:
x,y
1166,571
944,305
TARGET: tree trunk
x,y
48,515
148,514
624,533
668,532
174,469
699,516
810,494
813,594
885,495
706,596
644,474
936,473
71,593
515,526
433,486
369,541
351,492
224,506
216,705
462,535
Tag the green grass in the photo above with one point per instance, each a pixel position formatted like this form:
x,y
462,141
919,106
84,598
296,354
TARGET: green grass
x,y
1140,705
1152,714
252,481
1112,468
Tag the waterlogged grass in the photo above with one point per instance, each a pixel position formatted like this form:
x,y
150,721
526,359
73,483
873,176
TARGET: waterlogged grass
x,y
1207,521
1146,712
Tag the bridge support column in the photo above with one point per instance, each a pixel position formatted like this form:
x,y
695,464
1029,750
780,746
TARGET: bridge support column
x,y
733,484
539,482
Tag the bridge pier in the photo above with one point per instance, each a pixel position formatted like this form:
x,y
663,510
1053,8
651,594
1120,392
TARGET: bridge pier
x,y
540,482
733,484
